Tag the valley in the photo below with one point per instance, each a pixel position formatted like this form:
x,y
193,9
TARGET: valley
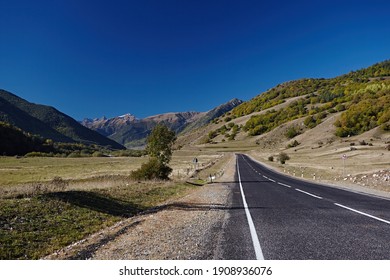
x,y
75,193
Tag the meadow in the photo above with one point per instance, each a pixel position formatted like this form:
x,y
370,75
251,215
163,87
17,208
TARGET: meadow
x,y
49,203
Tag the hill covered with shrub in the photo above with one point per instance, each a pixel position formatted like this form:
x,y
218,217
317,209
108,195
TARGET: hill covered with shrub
x,y
48,122
362,96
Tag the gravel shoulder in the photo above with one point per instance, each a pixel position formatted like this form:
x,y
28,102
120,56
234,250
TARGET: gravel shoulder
x,y
185,229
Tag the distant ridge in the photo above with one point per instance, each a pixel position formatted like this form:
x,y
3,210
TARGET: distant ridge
x,y
132,132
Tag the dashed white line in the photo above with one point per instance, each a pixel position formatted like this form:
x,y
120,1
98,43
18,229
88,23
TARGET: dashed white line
x,y
255,238
272,180
284,185
362,213
313,195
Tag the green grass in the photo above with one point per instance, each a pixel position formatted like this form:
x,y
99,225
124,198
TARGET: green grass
x,y
33,227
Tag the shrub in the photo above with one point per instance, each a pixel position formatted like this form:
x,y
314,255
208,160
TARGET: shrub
x,y
271,158
283,157
292,132
153,169
97,154
212,134
385,126
295,143
340,107
363,143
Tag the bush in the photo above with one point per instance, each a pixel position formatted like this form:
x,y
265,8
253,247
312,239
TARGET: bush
x,y
271,158
283,157
295,143
153,169
385,126
213,134
292,132
97,154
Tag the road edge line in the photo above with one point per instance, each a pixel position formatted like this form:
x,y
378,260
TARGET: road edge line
x,y
252,229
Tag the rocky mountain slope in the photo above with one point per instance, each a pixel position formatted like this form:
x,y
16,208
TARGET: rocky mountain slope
x,y
132,132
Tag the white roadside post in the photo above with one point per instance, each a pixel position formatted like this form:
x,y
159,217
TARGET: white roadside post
x,y
344,158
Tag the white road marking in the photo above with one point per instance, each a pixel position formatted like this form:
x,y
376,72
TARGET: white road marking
x,y
362,213
255,238
272,180
313,195
284,185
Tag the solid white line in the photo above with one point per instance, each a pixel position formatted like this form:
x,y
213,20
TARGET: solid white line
x,y
313,195
284,185
362,213
255,238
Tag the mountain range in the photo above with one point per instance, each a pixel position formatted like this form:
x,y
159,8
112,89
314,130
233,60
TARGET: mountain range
x,y
350,104
132,132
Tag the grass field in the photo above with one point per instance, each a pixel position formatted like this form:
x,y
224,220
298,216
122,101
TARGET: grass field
x,y
35,226
15,171
49,203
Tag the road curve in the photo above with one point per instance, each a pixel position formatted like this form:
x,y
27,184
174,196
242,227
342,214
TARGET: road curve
x,y
295,219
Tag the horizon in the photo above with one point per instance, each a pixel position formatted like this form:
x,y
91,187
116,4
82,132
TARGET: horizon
x,y
152,58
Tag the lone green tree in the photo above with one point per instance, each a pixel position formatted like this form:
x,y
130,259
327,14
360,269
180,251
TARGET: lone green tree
x,y
159,148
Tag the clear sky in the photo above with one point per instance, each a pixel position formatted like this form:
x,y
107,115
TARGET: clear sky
x,y
95,58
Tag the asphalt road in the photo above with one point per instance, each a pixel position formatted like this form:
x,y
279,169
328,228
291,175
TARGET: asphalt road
x,y
275,217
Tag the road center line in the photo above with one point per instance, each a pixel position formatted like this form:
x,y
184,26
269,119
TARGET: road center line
x,y
284,185
255,238
313,195
272,180
362,213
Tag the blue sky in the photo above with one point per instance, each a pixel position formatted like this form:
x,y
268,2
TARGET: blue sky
x,y
95,58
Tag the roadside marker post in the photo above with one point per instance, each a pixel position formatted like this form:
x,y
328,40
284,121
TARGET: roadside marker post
x,y
195,162
344,158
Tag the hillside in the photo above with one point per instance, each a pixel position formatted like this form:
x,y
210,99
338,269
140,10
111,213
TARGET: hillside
x,y
15,142
315,122
47,122
362,97
132,132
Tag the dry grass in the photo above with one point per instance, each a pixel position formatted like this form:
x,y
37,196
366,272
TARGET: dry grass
x,y
14,171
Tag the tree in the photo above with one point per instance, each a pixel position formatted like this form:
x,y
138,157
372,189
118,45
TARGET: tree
x,y
160,142
159,148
